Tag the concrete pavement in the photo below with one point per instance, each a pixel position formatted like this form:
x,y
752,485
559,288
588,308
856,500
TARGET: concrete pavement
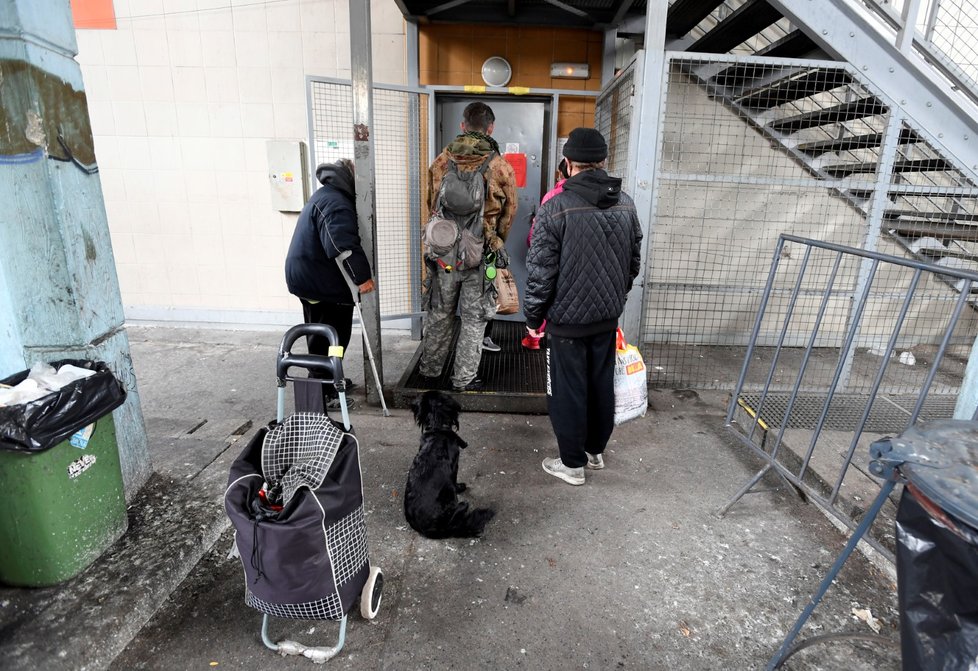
x,y
632,570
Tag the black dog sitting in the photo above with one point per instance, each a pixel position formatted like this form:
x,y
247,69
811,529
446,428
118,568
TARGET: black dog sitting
x,y
431,503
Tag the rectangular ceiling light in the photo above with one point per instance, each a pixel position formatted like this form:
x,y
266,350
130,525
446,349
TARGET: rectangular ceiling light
x,y
569,70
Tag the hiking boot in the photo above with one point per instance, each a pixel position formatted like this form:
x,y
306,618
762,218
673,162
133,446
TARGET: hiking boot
x,y
334,404
594,461
489,346
555,467
529,342
475,385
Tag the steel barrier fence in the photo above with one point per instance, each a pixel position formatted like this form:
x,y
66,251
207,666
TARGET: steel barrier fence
x,y
794,396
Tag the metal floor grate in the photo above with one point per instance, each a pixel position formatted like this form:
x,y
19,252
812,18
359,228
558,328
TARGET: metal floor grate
x,y
890,413
515,377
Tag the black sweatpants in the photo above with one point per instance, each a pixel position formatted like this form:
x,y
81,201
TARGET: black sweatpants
x,y
581,394
340,317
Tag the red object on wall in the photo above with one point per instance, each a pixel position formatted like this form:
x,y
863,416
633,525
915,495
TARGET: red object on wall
x,y
518,161
92,14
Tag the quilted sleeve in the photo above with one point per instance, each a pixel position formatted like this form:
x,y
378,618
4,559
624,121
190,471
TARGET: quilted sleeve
x,y
542,263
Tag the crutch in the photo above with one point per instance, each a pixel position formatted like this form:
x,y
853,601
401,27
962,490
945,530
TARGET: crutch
x,y
355,291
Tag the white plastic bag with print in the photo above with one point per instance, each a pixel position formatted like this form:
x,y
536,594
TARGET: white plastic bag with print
x,y
631,383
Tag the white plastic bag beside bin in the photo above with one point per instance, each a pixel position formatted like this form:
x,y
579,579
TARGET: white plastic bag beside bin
x,y
631,383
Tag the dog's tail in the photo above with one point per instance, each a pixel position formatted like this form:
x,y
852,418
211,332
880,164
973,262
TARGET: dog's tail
x,y
470,522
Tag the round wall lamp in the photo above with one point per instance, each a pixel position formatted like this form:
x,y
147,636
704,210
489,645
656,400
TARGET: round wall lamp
x,y
496,71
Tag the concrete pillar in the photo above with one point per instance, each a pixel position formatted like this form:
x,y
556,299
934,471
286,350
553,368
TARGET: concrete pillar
x,y
59,294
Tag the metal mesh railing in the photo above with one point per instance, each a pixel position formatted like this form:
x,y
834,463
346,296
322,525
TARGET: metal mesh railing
x,y
400,131
613,118
758,147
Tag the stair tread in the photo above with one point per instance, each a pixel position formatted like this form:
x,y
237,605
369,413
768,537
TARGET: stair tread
x,y
746,21
684,15
842,112
795,88
948,217
919,165
867,141
922,229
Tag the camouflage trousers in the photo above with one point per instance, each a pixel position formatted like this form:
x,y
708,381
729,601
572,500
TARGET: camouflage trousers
x,y
469,292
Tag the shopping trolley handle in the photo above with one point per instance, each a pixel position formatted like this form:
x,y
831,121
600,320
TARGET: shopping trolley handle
x,y
331,366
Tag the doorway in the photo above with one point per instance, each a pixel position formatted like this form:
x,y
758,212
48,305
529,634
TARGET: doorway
x,y
523,128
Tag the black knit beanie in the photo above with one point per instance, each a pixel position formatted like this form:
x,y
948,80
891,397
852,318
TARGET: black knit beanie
x,y
585,145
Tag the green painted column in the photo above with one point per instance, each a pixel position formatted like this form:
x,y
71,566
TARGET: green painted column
x,y
59,293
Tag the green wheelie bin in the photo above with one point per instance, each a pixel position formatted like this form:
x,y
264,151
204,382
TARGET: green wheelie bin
x,y
60,479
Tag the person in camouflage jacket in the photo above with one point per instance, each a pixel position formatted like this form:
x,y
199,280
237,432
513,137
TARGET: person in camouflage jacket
x,y
469,291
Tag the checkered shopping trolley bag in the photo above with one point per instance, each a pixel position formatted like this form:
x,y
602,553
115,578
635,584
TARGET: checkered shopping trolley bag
x,y
295,498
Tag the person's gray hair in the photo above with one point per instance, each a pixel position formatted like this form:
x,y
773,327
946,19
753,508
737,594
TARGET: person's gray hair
x,y
348,164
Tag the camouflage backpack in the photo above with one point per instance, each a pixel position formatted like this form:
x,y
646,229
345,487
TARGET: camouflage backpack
x,y
454,237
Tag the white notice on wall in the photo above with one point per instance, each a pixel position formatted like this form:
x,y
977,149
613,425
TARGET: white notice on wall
x,y
512,148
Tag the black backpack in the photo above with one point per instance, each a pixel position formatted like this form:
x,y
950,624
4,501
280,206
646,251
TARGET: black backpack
x,y
454,237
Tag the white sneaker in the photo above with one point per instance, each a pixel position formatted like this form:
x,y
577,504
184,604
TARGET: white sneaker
x,y
594,461
555,467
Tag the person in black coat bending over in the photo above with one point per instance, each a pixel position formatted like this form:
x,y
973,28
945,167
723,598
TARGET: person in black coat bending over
x,y
327,227
585,253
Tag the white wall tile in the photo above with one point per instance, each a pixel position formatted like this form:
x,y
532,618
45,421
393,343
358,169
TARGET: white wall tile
x,y
89,47
161,119
151,47
254,85
282,16
209,251
189,85
215,20
102,117
205,218
182,277
225,119
257,120
175,216
255,154
288,85
113,185
148,248
122,249
156,83
201,186
193,119
140,184
285,50
251,49
319,54
229,152
217,49
317,16
182,22
135,152
388,54
343,52
118,47
249,15
129,118
181,6
185,48
164,153
291,120
96,83
221,85
385,17
198,153
341,11
128,271
123,83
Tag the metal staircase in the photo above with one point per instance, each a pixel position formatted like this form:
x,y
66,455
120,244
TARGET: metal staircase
x,y
865,134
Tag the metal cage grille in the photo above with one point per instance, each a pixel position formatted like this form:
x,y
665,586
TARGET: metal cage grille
x,y
400,131
753,148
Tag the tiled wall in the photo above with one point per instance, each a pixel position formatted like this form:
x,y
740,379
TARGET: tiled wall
x,y
183,96
452,55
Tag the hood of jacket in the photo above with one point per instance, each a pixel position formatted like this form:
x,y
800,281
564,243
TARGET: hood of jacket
x,y
471,148
337,175
596,187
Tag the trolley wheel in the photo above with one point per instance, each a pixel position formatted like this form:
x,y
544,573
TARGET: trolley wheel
x,y
372,594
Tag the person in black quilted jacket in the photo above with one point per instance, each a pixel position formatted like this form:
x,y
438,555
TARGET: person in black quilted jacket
x,y
327,227
585,253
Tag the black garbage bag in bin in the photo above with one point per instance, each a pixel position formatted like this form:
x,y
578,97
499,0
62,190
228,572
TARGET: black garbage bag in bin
x,y
40,424
937,569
